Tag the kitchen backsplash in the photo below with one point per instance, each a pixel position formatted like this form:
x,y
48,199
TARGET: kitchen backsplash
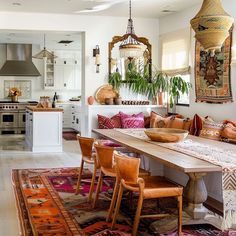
x,y
23,85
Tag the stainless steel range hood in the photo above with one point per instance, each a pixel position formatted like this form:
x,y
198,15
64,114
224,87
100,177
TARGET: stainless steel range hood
x,y
19,61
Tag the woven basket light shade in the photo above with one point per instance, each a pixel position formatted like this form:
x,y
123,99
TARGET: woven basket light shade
x,y
212,25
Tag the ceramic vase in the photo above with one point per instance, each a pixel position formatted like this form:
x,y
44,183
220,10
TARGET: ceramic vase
x,y
90,100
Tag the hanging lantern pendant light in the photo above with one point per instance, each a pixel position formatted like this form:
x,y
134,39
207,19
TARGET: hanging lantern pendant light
x,y
130,47
44,53
212,25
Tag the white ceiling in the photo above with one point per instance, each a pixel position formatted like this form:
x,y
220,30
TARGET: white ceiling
x,y
37,37
140,8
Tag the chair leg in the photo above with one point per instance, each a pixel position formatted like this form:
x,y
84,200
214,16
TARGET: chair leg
x,y
92,183
79,177
180,199
113,200
98,189
117,206
137,215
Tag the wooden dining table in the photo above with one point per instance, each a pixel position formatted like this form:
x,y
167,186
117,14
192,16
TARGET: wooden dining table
x,y
195,191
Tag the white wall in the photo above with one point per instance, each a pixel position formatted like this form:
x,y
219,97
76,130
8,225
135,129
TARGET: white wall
x,y
217,111
98,30
181,20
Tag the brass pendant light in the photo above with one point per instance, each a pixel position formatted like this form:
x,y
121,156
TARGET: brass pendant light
x,y
130,47
212,25
44,53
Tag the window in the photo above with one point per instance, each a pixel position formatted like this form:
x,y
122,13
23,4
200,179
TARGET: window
x,y
184,99
175,50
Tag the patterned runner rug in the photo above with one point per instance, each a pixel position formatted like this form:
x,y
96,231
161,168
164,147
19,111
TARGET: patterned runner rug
x,y
47,206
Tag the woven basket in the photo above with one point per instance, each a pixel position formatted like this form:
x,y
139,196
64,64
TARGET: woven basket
x,y
212,25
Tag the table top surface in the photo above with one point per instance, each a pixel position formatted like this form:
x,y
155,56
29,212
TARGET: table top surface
x,y
170,158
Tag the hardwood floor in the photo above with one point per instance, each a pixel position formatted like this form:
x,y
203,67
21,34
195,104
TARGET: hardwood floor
x,y
20,158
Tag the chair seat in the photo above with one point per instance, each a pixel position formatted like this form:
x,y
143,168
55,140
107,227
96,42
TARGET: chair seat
x,y
109,171
156,186
89,160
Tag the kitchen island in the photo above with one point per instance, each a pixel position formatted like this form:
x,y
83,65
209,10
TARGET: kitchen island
x,y
44,129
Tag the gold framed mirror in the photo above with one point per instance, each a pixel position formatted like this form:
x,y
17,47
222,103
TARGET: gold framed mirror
x,y
118,64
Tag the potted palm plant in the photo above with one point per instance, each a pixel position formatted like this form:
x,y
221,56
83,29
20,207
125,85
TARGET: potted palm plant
x,y
158,83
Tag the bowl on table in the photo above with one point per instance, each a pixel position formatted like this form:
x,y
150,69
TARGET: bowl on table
x,y
166,135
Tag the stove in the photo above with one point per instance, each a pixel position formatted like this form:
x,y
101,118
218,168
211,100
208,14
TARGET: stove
x,y
12,116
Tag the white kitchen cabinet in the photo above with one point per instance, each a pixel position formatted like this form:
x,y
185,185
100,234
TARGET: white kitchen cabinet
x,y
29,126
63,73
49,82
66,120
44,129
75,117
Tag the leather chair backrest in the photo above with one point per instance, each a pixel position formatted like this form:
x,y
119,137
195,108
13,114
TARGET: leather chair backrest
x,y
86,146
104,155
127,168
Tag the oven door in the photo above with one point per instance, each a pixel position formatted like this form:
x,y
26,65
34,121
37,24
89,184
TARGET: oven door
x,y
8,120
21,119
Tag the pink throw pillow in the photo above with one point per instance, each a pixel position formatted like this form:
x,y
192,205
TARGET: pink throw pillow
x,y
109,123
132,121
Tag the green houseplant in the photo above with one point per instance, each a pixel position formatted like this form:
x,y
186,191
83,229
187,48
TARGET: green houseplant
x,y
142,83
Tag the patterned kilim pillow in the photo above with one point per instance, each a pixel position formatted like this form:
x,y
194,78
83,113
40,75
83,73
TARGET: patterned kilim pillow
x,y
211,129
132,121
109,123
157,121
229,133
178,123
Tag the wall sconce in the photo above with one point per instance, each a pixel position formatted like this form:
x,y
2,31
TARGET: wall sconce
x,y
96,54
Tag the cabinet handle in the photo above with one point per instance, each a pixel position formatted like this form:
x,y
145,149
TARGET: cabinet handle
x,y
64,84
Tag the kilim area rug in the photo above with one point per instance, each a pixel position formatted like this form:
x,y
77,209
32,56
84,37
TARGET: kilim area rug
x,y
47,206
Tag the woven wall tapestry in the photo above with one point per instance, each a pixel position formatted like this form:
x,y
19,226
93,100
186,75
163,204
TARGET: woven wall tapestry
x,y
212,74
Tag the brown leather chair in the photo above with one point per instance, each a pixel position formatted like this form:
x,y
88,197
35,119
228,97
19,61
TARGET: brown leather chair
x,y
105,162
127,170
107,168
86,146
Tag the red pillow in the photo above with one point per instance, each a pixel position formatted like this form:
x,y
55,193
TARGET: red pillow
x,y
109,123
196,126
132,121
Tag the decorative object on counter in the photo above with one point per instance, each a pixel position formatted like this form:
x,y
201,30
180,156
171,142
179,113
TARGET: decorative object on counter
x,y
133,102
23,85
54,100
14,93
96,54
90,100
130,47
44,53
117,101
212,25
75,99
105,91
212,74
45,102
109,101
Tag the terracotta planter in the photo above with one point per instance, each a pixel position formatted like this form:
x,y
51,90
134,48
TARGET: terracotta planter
x,y
118,101
90,100
160,98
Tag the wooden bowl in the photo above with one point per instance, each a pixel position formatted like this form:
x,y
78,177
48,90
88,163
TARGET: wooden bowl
x,y
166,135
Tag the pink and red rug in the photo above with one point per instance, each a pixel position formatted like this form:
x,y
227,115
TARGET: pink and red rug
x,y
47,206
